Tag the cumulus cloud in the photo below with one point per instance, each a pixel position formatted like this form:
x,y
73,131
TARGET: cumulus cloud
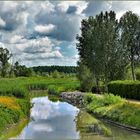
x,y
44,32
63,20
45,29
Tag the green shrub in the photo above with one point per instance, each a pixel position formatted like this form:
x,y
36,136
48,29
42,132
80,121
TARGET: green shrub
x,y
126,89
86,78
93,101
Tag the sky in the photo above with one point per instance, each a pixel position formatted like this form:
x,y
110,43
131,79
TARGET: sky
x,y
44,32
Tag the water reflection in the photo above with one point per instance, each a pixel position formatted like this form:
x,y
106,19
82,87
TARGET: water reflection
x,y
52,120
62,121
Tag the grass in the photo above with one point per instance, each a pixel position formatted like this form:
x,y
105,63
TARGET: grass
x,y
12,110
14,130
114,108
20,87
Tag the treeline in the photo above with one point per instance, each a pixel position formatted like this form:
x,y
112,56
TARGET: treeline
x,y
108,48
50,69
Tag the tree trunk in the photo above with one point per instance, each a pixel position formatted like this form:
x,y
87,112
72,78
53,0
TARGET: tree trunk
x,y
132,70
97,85
132,66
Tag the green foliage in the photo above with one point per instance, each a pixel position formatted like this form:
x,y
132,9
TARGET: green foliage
x,y
138,74
22,70
11,116
127,89
61,69
55,74
12,87
25,106
130,36
94,101
4,58
114,108
100,48
85,77
20,87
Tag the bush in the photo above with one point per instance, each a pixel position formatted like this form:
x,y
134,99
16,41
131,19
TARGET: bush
x,y
86,78
126,89
93,101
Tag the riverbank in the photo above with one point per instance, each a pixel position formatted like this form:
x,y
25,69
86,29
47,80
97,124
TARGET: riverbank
x,y
112,109
12,110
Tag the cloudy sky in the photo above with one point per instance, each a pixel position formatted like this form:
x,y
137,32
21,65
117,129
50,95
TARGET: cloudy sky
x,y
44,32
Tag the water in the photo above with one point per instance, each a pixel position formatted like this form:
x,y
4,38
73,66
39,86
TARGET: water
x,y
62,121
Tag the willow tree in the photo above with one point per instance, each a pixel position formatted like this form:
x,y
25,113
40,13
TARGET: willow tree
x,y
130,35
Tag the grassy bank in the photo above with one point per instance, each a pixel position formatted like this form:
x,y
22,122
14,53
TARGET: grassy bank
x,y
12,110
15,94
114,108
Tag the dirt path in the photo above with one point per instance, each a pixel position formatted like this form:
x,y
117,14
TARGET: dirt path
x,y
133,101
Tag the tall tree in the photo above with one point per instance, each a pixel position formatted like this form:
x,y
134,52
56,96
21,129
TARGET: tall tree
x,y
130,34
99,47
4,57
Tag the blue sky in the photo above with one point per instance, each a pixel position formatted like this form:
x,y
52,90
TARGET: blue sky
x,y
44,32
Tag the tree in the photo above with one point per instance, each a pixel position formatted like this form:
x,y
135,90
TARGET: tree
x,y
22,70
99,47
4,58
130,35
86,78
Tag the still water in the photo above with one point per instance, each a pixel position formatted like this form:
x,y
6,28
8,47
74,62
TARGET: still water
x,y
61,121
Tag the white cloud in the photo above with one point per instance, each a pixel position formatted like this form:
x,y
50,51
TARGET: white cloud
x,y
17,39
45,29
36,31
47,6
2,45
2,23
80,5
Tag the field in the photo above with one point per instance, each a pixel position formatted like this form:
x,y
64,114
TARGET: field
x,y
15,94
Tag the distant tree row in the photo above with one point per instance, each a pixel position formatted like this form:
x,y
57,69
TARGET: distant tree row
x,y
108,46
49,69
9,70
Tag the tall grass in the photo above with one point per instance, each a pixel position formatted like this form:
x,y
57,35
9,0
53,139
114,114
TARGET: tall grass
x,y
20,87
